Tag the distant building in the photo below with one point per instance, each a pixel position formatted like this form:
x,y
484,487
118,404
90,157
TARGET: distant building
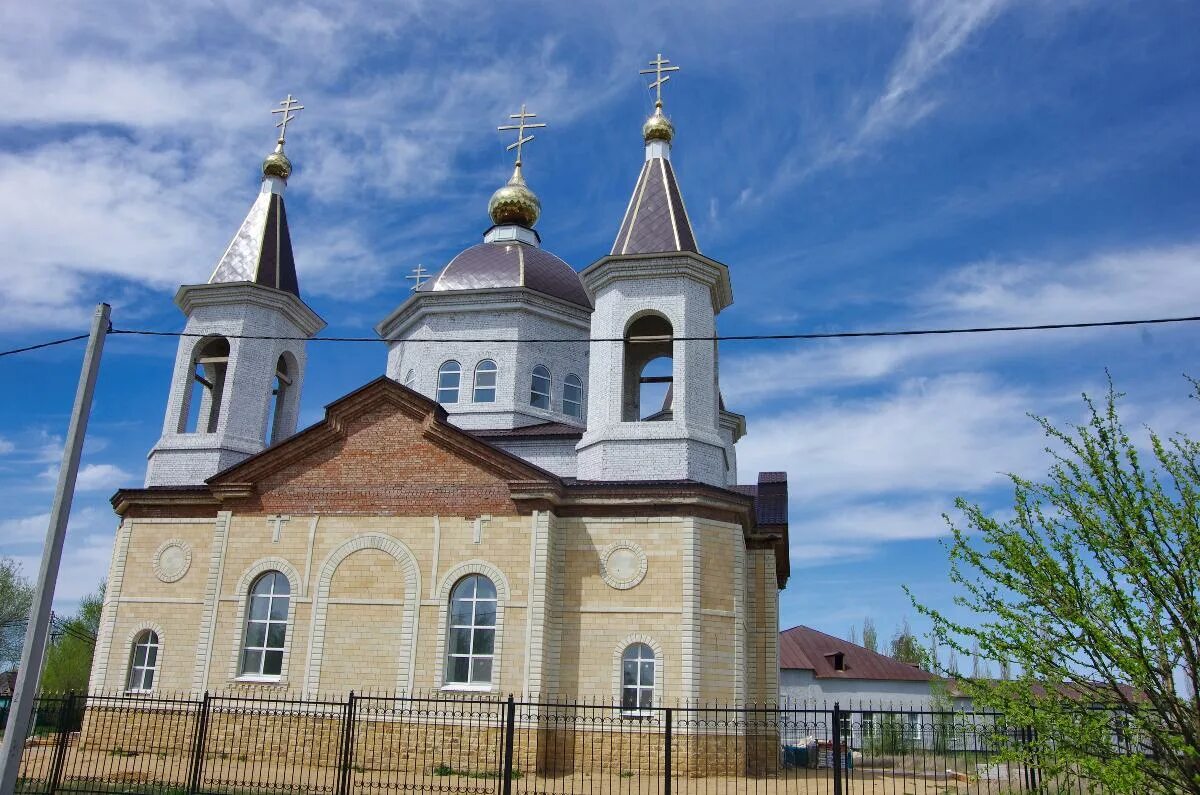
x,y
817,667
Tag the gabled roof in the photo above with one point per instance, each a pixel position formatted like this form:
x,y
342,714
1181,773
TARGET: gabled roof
x,y
806,649
261,251
656,220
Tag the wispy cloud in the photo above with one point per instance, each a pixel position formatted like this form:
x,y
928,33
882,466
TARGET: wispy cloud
x,y
92,477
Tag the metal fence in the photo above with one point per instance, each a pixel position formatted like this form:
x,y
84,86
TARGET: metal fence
x,y
231,743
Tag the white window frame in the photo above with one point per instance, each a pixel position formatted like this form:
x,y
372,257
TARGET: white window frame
x,y
146,640
494,372
639,710
573,381
445,369
474,630
272,596
541,371
410,377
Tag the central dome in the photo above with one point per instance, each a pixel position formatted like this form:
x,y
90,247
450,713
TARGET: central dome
x,y
510,264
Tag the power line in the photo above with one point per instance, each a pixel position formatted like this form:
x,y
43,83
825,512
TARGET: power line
x,y
815,335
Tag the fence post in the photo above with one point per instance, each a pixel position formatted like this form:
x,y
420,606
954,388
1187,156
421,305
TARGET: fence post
x,y
510,720
667,754
346,752
837,748
60,747
198,747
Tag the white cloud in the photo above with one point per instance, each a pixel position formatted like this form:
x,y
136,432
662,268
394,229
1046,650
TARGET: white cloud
x,y
1137,283
93,477
6,446
24,529
949,434
84,565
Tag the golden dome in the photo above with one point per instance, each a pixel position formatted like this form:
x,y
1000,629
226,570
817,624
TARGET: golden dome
x,y
658,127
277,164
515,203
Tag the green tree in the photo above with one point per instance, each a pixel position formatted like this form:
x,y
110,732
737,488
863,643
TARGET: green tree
x,y
907,649
73,641
16,597
1092,592
870,634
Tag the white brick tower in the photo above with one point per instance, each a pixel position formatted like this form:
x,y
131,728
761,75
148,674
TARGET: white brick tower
x,y
655,294
232,394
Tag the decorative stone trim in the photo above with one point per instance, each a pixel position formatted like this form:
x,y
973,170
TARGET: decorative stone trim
x,y
623,564
129,639
243,596
660,665
412,591
172,560
455,574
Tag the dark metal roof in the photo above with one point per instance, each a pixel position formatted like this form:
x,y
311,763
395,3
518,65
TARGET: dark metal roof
x,y
806,649
542,430
656,220
510,264
261,251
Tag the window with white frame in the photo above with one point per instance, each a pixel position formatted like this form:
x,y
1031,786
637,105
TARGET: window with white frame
x,y
539,391
266,625
471,641
410,378
637,678
485,382
449,375
572,400
143,662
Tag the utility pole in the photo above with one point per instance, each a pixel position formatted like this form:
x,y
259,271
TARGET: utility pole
x,y
34,650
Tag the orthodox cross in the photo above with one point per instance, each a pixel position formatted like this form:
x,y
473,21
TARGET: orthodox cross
x,y
660,66
419,277
290,104
520,127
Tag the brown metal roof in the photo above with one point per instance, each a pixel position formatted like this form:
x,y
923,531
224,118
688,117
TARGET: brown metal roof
x,y
806,649
656,220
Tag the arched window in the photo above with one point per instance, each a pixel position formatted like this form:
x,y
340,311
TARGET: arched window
x,y
280,399
448,377
266,625
646,379
572,401
539,391
410,378
206,388
485,382
143,662
637,678
472,637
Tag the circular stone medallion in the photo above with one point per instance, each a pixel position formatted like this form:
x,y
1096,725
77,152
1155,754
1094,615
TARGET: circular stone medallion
x,y
623,564
172,560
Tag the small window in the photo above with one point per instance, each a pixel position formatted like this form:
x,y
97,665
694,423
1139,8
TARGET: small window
x,y
573,397
485,382
410,377
266,625
637,679
448,378
471,644
539,393
143,662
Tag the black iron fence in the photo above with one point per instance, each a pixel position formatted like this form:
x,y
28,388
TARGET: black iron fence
x,y
232,743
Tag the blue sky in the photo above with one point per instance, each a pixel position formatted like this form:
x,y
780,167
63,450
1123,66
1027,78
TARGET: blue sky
x,y
857,164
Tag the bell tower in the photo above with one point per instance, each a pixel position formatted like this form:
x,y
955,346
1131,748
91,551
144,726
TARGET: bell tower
x,y
239,369
654,405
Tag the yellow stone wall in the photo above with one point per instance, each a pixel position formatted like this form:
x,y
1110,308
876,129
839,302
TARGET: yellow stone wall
x,y
352,609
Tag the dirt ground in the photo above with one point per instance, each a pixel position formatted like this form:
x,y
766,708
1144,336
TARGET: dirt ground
x,y
167,773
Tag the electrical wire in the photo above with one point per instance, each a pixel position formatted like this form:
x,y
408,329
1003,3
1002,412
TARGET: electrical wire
x,y
815,335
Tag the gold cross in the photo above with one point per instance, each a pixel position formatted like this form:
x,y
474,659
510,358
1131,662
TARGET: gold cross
x,y
660,66
290,104
520,127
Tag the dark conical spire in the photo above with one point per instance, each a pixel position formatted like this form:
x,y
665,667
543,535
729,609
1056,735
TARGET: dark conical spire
x,y
656,220
261,251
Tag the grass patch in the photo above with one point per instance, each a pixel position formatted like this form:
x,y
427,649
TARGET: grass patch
x,y
446,770
121,752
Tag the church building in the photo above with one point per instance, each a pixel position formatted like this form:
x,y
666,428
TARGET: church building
x,y
539,496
